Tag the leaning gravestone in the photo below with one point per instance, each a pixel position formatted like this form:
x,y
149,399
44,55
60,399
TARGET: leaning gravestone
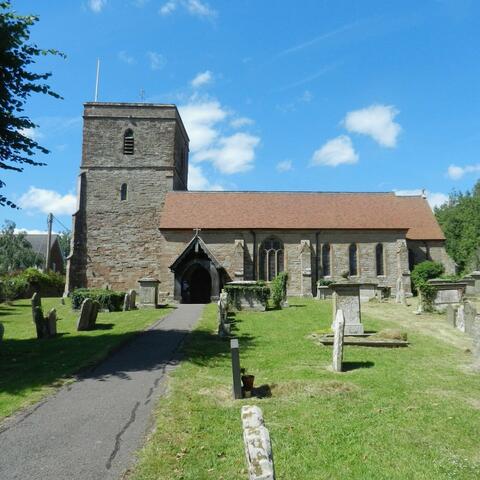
x,y
338,341
460,320
85,314
36,302
126,303
93,315
258,446
133,299
52,323
469,313
39,321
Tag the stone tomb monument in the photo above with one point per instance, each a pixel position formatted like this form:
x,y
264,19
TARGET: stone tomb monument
x,y
148,295
346,297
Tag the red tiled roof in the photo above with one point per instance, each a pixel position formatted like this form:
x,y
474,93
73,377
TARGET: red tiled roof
x,y
300,210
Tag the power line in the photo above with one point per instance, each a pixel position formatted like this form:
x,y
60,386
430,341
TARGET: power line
x,y
55,218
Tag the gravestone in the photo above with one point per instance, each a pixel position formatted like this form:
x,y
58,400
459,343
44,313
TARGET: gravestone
x,y
52,322
126,302
476,339
469,313
258,446
40,323
148,296
93,315
346,297
476,277
223,325
133,299
85,315
36,302
400,292
460,319
338,342
451,315
236,373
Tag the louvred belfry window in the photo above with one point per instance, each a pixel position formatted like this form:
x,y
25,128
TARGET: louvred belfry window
x,y
128,143
271,259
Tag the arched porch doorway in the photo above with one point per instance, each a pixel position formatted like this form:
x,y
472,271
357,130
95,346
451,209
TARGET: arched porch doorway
x,y
199,277
196,285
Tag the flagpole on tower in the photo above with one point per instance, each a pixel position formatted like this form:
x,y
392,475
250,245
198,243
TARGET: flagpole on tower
x,y
96,81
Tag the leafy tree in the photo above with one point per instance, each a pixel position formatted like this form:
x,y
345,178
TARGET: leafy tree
x,y
64,240
16,253
460,221
17,83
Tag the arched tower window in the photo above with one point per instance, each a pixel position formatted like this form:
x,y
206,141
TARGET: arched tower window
x,y
326,270
379,259
271,259
123,191
128,142
353,260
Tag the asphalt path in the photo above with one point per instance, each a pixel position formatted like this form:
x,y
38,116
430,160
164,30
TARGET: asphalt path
x,y
91,428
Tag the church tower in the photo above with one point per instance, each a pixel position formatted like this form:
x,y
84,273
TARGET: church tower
x,y
132,155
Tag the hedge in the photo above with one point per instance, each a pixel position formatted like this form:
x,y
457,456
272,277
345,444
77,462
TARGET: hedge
x,y
108,299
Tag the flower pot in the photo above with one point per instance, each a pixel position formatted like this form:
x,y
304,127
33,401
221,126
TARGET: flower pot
x,y
247,381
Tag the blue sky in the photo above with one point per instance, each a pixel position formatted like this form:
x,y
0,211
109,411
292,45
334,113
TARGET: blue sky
x,y
276,95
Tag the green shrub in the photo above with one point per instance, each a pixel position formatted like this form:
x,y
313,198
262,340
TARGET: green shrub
x,y
108,299
324,283
425,271
279,289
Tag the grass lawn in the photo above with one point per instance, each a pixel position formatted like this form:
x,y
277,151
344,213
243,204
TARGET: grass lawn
x,y
31,368
407,413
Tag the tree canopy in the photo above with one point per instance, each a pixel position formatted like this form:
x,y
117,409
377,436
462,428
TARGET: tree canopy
x,y
17,83
460,221
16,253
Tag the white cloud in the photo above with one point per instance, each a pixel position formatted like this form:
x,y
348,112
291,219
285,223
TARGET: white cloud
x,y
196,8
198,181
48,201
202,78
241,122
435,199
456,173
376,121
234,154
284,166
96,5
125,57
33,231
336,151
32,133
201,120
167,8
157,60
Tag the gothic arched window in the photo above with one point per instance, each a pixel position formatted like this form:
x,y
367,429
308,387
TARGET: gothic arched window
x,y
128,142
352,260
123,191
326,270
379,259
271,259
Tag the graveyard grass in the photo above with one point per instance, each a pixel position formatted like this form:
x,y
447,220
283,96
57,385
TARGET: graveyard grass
x,y
31,368
395,413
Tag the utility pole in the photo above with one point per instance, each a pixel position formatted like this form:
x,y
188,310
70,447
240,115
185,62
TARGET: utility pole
x,y
49,242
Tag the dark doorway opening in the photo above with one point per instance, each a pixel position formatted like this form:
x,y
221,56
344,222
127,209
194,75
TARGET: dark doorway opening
x,y
196,285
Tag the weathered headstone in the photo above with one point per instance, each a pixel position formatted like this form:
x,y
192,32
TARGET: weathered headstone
x,y
36,302
451,315
85,315
476,339
133,299
236,373
469,317
93,315
346,297
223,325
460,320
52,323
400,292
39,321
338,342
258,446
126,302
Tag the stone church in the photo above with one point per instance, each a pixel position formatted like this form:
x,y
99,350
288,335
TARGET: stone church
x,y
136,219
